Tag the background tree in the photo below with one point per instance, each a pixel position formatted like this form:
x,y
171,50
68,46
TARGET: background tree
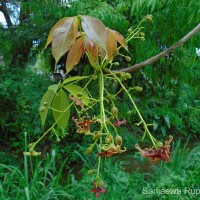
x,y
167,83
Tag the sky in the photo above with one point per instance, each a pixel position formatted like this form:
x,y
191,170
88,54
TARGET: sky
x,y
2,19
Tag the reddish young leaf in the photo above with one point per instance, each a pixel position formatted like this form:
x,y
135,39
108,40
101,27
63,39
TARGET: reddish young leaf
x,y
63,38
57,25
75,24
111,45
119,38
74,54
95,30
92,50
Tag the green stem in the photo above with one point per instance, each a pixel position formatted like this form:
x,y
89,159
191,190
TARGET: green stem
x,y
35,143
138,112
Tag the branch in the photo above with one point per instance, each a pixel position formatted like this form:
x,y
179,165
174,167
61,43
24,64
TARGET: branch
x,y
160,55
4,10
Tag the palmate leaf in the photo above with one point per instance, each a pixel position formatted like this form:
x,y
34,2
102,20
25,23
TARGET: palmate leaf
x,y
45,104
78,92
60,109
63,37
74,54
93,54
54,87
111,45
118,37
95,30
57,25
74,78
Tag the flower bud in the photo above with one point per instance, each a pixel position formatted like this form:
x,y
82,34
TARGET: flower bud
x,y
111,117
97,135
100,183
143,39
89,150
116,64
90,171
123,76
138,89
118,140
114,111
128,58
108,139
142,34
31,145
148,18
130,30
128,76
108,97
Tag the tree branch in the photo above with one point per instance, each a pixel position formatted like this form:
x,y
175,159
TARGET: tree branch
x,y
4,10
160,55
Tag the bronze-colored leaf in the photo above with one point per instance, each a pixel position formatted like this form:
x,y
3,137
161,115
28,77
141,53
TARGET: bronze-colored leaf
x,y
57,25
95,30
75,24
92,50
119,38
74,54
63,38
111,45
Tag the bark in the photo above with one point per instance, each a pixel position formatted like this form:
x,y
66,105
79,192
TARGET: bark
x,y
4,10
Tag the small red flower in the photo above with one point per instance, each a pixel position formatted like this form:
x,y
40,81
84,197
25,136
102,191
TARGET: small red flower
x,y
161,153
98,190
83,125
107,154
119,123
78,101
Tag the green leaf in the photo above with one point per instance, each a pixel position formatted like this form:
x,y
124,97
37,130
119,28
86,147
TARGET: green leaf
x,y
166,117
78,92
60,109
95,30
45,104
63,38
74,78
54,87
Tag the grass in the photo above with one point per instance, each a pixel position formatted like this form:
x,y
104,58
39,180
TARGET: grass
x,y
40,179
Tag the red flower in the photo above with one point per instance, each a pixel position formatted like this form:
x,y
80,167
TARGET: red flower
x,y
83,125
161,153
98,190
119,123
78,101
107,154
